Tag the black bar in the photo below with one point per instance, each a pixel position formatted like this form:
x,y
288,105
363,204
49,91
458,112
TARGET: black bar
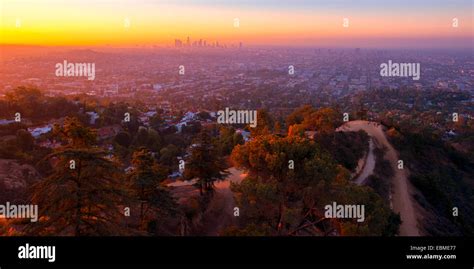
x,y
237,250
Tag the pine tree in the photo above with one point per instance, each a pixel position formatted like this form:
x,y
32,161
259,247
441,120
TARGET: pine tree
x,y
83,194
146,182
205,164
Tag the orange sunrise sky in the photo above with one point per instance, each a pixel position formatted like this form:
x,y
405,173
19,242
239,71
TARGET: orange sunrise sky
x,y
299,23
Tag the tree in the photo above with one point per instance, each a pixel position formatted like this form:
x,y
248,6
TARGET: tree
x,y
75,134
265,123
31,103
146,181
154,140
347,148
113,114
205,164
297,116
24,140
141,137
169,154
281,199
228,138
277,127
123,139
83,194
203,115
156,121
306,118
25,100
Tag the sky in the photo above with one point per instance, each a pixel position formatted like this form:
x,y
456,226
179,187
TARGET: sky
x,y
127,23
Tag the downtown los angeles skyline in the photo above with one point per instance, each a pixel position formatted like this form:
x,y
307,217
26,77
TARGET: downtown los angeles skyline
x,y
124,23
335,131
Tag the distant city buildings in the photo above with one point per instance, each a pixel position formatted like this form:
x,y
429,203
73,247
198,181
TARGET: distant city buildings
x,y
201,43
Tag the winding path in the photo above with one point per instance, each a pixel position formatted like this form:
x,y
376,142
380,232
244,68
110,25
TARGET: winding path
x,y
220,212
402,190
369,165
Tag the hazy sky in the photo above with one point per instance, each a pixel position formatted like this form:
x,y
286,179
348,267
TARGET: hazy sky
x,y
372,23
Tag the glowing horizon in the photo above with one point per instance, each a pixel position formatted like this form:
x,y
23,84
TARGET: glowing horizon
x,y
85,23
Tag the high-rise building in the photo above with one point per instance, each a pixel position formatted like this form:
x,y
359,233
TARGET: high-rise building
x,y
188,42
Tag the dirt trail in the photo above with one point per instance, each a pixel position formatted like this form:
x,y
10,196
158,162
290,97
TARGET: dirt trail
x,y
402,190
220,213
369,165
